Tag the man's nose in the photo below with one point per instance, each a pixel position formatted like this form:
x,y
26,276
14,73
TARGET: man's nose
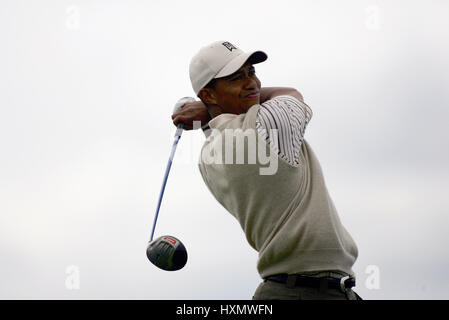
x,y
250,83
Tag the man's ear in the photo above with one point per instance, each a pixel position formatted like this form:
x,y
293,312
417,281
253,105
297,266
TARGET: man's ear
x,y
208,96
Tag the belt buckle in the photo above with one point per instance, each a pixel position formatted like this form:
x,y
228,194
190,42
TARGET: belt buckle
x,y
342,283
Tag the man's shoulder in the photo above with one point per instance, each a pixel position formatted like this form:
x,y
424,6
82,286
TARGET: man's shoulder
x,y
286,104
284,99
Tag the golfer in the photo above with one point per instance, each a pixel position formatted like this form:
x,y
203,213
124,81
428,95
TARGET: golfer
x,y
286,212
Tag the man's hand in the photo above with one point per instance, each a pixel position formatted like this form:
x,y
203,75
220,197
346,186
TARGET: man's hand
x,y
191,111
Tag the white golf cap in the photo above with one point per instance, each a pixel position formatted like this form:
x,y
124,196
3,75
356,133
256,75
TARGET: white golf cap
x,y
217,60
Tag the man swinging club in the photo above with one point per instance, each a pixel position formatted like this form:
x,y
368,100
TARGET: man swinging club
x,y
288,215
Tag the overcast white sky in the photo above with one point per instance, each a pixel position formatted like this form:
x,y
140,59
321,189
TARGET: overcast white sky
x,y
86,93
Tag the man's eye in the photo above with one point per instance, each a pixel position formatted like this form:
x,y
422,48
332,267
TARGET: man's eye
x,y
240,76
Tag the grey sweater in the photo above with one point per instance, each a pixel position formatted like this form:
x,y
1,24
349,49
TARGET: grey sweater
x,y
288,215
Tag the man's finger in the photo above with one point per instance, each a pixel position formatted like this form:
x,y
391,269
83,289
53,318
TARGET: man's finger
x,y
176,120
177,113
180,119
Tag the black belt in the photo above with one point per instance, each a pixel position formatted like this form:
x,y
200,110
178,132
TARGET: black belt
x,y
295,280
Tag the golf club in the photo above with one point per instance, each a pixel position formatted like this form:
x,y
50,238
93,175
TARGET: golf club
x,y
168,252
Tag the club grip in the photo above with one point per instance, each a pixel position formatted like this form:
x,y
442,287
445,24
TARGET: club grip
x,y
178,106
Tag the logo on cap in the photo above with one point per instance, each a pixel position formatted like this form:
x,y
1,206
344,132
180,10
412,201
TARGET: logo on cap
x,y
229,46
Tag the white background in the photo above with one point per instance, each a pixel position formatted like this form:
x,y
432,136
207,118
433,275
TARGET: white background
x,y
86,93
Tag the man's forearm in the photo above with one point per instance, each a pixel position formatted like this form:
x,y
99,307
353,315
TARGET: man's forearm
x,y
267,93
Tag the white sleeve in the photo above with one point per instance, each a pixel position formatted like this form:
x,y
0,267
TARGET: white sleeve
x,y
290,117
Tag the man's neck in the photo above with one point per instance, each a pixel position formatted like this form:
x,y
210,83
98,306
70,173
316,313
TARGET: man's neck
x,y
214,110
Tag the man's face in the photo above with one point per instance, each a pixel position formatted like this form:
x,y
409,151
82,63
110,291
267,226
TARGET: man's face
x,y
239,91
